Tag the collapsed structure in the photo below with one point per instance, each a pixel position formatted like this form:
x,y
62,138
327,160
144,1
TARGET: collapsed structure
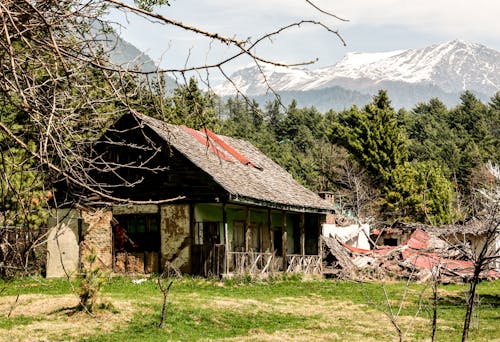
x,y
421,252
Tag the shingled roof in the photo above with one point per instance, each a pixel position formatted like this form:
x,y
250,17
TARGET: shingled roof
x,y
247,174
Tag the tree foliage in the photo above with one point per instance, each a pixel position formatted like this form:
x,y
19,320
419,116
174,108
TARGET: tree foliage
x,y
421,193
418,165
373,137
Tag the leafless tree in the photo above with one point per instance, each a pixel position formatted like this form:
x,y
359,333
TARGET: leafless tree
x,y
392,307
169,274
485,254
60,91
339,171
478,240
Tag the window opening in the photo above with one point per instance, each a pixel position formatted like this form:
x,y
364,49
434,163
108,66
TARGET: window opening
x,y
137,233
277,241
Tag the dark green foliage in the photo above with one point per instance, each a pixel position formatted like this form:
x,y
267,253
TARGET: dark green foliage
x,y
460,140
420,192
442,145
373,137
192,107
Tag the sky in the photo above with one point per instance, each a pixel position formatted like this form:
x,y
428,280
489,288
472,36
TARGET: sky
x,y
372,26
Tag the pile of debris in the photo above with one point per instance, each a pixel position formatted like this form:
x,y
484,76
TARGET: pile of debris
x,y
424,253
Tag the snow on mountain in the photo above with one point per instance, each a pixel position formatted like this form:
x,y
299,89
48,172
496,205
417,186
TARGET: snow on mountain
x,y
252,81
453,67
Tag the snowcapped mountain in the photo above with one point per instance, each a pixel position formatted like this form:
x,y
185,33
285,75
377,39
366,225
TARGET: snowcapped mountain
x,y
410,76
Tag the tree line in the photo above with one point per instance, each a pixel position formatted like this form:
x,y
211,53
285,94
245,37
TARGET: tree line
x,y
418,165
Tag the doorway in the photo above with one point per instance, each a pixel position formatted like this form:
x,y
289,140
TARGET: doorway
x,y
208,252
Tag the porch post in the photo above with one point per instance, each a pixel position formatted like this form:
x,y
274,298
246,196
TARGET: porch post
x,y
321,220
248,232
194,264
226,239
270,231
302,234
283,239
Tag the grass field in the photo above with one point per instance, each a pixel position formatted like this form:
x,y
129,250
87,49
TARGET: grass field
x,y
284,310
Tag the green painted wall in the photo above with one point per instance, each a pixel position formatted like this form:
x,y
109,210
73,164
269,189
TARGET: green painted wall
x,y
212,212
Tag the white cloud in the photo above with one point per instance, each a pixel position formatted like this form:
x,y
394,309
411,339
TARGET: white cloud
x,y
374,25
459,17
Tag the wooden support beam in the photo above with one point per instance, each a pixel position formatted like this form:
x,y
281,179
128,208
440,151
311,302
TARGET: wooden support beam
x,y
192,223
283,240
248,231
226,238
270,231
302,234
321,220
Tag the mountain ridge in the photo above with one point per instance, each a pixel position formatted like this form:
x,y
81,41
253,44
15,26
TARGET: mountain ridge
x,y
411,76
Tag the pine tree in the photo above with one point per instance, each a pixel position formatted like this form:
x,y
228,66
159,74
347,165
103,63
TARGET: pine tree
x,y
192,107
373,137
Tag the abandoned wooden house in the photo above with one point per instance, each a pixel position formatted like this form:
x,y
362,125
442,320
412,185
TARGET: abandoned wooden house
x,y
233,210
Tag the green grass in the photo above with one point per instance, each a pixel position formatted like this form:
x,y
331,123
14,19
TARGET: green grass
x,y
190,324
202,309
35,285
11,322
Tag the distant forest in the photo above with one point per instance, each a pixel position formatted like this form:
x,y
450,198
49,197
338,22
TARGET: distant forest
x,y
422,164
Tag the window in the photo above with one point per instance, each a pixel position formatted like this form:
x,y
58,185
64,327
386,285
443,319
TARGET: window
x,y
137,232
206,233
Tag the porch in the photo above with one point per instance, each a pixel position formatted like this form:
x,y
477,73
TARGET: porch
x,y
257,264
214,239
236,239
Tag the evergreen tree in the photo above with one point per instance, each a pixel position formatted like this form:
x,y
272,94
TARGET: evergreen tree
x,y
420,192
372,136
192,107
494,118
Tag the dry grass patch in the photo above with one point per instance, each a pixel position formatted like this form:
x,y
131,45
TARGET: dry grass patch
x,y
325,319
299,335
35,304
54,318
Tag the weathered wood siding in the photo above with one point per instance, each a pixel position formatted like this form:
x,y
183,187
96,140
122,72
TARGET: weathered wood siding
x,y
163,172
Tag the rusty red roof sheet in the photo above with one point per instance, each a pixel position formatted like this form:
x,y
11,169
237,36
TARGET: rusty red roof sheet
x,y
206,142
419,240
242,159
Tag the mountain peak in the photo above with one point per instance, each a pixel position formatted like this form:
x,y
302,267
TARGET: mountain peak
x,y
460,42
451,67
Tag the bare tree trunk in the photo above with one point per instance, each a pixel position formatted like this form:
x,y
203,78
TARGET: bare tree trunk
x,y
470,301
435,280
165,292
